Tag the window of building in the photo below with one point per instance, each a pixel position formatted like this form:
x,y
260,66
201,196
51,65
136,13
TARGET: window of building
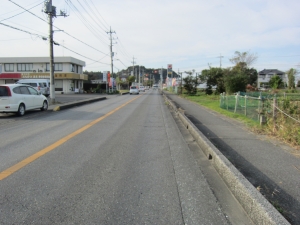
x,y
9,67
72,67
57,67
24,66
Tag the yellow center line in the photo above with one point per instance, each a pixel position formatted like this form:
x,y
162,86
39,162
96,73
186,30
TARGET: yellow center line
x,y
42,152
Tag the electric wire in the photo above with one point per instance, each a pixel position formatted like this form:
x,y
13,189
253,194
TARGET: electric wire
x,y
80,54
90,15
84,21
95,14
99,13
21,12
60,29
22,30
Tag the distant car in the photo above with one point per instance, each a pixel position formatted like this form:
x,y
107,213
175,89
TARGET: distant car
x,y
134,90
41,85
146,87
155,86
142,88
18,98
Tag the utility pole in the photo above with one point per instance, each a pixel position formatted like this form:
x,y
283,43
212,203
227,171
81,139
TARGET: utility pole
x,y
51,11
220,59
111,53
133,66
139,76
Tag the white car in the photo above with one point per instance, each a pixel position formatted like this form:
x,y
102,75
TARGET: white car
x,y
142,88
18,98
41,85
134,90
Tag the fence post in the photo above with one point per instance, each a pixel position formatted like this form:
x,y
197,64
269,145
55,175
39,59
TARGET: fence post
x,y
274,112
236,101
245,105
226,100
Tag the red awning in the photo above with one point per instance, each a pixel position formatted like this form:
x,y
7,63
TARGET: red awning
x,y
10,75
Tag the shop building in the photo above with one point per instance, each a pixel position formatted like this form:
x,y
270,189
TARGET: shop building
x,y
68,71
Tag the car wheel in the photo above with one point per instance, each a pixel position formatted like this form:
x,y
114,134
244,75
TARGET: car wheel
x,y
21,110
45,106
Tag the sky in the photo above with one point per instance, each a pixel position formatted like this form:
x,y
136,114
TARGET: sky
x,y
190,34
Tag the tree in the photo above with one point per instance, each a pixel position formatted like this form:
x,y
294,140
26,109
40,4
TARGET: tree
x,y
131,79
291,78
243,59
235,80
190,84
275,82
213,77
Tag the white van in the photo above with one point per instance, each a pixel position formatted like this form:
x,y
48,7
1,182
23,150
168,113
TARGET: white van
x,y
41,85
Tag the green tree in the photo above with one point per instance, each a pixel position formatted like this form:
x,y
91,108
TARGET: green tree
x,y
190,84
291,78
131,79
235,80
213,77
275,82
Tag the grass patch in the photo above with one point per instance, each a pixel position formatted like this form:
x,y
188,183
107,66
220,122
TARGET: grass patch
x,y
213,102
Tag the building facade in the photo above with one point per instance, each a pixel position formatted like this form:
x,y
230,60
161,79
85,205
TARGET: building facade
x,y
265,75
68,71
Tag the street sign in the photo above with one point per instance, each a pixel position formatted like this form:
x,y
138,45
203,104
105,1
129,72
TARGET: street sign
x,y
169,68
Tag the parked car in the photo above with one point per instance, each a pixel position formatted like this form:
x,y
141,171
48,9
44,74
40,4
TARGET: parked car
x,y
155,86
142,88
18,98
146,87
42,85
134,90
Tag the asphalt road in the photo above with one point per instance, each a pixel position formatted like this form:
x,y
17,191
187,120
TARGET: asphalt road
x,y
118,161
272,167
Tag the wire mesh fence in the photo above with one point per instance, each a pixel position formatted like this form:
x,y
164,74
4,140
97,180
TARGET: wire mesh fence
x,y
280,113
258,105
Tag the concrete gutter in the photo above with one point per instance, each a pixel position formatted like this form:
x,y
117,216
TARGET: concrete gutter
x,y
76,103
254,203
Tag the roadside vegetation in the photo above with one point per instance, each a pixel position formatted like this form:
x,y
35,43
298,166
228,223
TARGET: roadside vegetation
x,y
282,114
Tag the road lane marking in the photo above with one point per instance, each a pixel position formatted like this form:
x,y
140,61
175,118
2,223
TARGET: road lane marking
x,y
51,147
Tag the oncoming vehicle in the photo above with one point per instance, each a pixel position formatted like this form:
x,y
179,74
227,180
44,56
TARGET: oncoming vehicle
x,y
18,98
42,85
155,86
134,90
142,88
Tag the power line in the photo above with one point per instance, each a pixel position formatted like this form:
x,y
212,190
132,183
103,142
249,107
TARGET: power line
x,y
58,28
56,43
90,15
84,21
44,38
95,14
21,12
80,54
99,13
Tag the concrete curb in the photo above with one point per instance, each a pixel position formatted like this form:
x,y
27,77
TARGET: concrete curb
x,y
77,103
255,205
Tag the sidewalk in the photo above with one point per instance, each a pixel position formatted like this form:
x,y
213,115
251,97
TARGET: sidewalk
x,y
64,101
271,167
